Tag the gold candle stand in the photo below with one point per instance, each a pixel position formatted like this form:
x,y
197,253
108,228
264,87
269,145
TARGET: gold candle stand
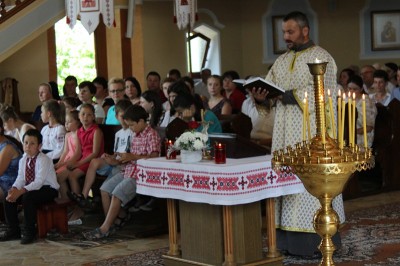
x,y
323,167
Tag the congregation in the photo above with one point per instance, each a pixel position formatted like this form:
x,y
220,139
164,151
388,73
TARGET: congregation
x,y
62,147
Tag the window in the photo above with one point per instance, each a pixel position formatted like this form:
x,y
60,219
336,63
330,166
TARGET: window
x,y
198,46
204,50
75,53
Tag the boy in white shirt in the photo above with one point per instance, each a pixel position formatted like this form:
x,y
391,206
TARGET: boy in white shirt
x,y
36,184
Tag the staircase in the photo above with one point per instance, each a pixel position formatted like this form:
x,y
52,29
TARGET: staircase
x,y
25,21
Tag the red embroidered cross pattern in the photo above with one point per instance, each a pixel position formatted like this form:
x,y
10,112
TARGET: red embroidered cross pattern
x,y
30,170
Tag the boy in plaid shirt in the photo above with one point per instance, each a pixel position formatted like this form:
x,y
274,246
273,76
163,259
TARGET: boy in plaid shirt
x,y
121,188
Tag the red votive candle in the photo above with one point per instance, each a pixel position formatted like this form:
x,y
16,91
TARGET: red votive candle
x,y
219,153
172,155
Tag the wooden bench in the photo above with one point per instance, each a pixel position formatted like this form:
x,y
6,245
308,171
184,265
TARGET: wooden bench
x,y
52,216
239,124
386,146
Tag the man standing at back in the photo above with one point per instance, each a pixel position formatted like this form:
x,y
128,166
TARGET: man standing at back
x,y
367,75
153,80
294,213
201,86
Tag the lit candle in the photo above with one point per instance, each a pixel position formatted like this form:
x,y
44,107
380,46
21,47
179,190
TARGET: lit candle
x,y
349,103
219,153
169,153
323,130
353,121
308,119
342,119
304,119
339,101
364,122
332,116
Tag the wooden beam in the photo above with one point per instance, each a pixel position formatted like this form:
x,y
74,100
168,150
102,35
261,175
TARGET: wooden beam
x,y
52,54
125,46
100,48
137,47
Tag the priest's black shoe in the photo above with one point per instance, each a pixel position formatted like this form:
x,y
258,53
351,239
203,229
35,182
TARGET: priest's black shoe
x,y
10,235
28,239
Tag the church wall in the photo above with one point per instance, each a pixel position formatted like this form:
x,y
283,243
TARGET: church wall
x,y
339,31
114,54
241,39
29,66
164,44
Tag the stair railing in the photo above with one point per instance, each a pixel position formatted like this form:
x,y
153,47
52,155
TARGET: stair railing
x,y
8,10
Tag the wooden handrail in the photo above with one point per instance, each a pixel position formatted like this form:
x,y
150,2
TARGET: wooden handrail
x,y
7,11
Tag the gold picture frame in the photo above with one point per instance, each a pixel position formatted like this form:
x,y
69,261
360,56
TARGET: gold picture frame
x,y
385,30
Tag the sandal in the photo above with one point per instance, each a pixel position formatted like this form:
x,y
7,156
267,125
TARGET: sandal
x,y
122,220
95,234
74,197
78,198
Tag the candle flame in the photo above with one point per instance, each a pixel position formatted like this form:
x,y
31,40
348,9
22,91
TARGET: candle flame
x,y
305,95
329,93
354,95
317,60
339,92
363,97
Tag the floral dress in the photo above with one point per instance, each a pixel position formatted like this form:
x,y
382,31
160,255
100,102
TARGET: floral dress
x,y
10,174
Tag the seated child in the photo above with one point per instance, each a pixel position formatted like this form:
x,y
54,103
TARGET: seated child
x,y
36,184
185,109
10,154
53,133
107,163
121,188
71,103
13,125
72,150
92,145
87,90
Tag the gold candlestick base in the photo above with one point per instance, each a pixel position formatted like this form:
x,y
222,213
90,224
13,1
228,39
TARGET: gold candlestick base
x,y
324,173
323,167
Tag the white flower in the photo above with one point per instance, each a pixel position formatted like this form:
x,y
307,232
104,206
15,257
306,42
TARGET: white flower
x,y
191,141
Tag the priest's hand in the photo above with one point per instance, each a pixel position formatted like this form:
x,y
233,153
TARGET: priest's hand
x,y
259,94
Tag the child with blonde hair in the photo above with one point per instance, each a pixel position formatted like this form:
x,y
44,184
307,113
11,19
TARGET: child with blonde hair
x,y
72,148
92,146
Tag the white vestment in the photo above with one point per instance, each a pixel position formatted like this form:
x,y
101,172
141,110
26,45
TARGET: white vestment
x,y
290,72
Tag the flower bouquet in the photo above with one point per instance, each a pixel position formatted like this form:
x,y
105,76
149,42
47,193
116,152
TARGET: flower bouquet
x,y
191,145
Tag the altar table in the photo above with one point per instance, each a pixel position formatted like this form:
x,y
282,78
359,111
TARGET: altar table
x,y
202,188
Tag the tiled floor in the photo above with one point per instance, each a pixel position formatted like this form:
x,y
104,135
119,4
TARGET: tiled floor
x,y
52,253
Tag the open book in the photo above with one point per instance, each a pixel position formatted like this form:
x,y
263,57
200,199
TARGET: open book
x,y
257,82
